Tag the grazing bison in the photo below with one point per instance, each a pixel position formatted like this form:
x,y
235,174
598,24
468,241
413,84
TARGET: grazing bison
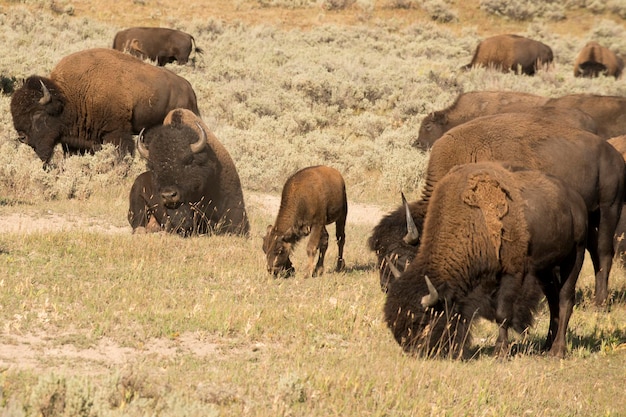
x,y
579,158
511,53
608,112
162,45
312,198
492,239
94,97
191,185
475,104
595,59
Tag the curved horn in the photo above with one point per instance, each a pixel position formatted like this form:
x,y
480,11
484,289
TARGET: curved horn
x,y
432,297
201,142
392,267
46,94
412,235
141,146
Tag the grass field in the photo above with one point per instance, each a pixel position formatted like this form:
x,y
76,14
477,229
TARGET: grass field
x,y
99,322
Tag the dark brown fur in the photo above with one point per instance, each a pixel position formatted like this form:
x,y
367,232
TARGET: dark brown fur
x,y
619,143
595,59
510,52
209,198
488,251
162,45
608,112
312,198
468,106
86,109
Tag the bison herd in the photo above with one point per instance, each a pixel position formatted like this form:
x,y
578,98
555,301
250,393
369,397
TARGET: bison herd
x,y
518,186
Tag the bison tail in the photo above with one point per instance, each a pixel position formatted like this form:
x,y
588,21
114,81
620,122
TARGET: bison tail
x,y
199,50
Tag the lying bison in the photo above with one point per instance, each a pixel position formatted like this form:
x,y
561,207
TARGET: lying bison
x,y
312,198
579,158
511,53
191,185
488,251
80,108
162,45
475,104
594,60
608,112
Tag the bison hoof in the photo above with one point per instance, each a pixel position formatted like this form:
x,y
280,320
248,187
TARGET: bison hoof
x,y
341,265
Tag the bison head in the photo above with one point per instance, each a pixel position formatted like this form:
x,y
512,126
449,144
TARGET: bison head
x,y
182,167
277,248
36,109
431,129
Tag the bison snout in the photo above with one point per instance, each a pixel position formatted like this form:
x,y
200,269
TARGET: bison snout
x,y
171,198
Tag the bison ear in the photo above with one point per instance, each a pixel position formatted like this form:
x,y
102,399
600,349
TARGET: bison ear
x,y
55,107
440,117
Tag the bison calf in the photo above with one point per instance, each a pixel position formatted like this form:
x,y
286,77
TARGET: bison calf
x,y
312,198
493,238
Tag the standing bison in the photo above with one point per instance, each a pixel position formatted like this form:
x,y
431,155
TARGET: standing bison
x,y
468,106
94,97
595,59
191,185
619,143
580,159
511,53
312,198
162,45
492,239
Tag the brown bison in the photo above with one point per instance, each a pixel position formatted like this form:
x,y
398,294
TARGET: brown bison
x,y
312,198
94,97
595,59
162,45
492,239
468,106
191,185
579,158
619,143
608,112
511,53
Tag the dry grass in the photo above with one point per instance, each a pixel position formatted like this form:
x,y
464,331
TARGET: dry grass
x,y
96,321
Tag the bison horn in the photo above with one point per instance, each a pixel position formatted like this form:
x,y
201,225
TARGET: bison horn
x,y
432,297
412,235
201,142
141,146
392,267
46,94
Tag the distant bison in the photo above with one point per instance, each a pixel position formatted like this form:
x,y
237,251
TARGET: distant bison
x,y
94,97
608,112
468,106
511,53
595,59
312,198
162,45
492,240
191,185
579,158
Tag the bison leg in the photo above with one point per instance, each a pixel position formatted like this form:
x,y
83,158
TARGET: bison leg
x,y
340,233
551,291
602,226
317,240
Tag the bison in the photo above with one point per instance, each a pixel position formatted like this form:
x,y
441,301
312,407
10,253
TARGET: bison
x,y
511,53
162,45
311,198
492,240
619,143
595,59
582,160
608,112
191,186
94,97
468,106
